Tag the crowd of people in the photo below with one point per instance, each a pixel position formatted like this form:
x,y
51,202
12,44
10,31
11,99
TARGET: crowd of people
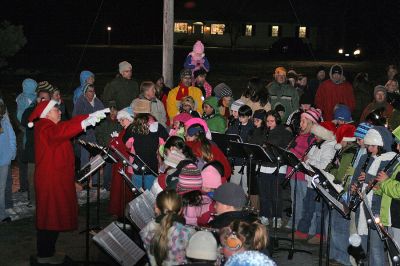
x,y
198,184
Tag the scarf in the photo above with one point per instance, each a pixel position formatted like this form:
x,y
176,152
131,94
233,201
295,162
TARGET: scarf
x,y
183,91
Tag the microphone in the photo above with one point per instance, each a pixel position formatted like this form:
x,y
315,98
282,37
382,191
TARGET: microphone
x,y
355,249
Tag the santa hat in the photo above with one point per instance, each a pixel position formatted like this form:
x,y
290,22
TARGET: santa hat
x,y
41,110
345,133
322,132
329,125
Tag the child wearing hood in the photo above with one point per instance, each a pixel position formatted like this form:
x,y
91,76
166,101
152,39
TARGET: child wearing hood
x,y
27,97
197,59
86,77
215,122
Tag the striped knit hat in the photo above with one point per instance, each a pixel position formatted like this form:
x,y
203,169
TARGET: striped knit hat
x,y
189,179
236,105
362,130
44,86
314,115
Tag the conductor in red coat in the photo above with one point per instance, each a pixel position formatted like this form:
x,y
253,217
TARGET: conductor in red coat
x,y
56,202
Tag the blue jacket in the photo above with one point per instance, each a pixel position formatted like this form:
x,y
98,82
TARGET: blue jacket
x,y
27,96
85,74
8,142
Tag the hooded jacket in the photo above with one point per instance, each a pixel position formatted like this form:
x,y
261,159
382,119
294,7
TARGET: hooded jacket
x,y
215,122
8,142
25,99
85,74
329,94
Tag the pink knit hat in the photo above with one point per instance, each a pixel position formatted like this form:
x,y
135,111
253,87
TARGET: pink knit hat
x,y
182,117
201,122
314,115
189,179
198,47
211,177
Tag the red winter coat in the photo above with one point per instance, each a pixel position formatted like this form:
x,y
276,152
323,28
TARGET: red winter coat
x,y
329,94
117,204
56,202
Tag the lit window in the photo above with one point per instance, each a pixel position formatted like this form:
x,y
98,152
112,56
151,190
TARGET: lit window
x,y
217,29
248,30
302,32
275,31
181,27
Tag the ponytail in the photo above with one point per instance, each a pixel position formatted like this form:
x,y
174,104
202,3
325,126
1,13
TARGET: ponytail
x,y
254,235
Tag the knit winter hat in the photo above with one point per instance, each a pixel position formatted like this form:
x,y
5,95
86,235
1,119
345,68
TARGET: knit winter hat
x,y
189,101
211,177
336,69
202,246
249,258
174,158
236,105
222,90
314,115
85,87
396,134
346,133
322,132
122,114
379,88
185,72
124,66
41,110
362,130
342,113
230,194
201,122
198,47
280,71
44,86
189,179
182,117
373,138
141,106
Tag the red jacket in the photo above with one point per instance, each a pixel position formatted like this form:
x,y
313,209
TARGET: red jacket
x,y
329,94
56,202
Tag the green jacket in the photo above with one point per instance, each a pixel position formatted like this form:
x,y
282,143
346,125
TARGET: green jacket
x,y
120,90
215,122
388,189
285,95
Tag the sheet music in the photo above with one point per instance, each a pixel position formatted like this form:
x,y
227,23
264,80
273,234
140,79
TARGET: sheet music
x,y
339,206
119,245
141,209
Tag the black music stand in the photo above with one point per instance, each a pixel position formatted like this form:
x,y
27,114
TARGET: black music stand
x,y
251,153
331,196
223,141
288,158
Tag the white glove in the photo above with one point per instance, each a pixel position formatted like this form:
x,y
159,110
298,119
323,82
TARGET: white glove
x,y
114,134
90,121
100,114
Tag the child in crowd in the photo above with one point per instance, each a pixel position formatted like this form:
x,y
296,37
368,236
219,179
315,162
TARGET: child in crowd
x,y
224,95
197,59
202,249
320,156
178,125
215,122
56,96
342,115
166,237
233,120
188,106
293,121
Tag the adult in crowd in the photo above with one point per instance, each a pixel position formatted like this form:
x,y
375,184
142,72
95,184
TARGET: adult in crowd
x,y
392,72
333,91
166,237
28,154
293,121
85,77
162,90
103,133
157,109
379,102
56,96
224,95
184,89
122,89
255,95
313,84
229,208
197,59
363,87
281,93
393,97
87,103
56,205
199,81
8,144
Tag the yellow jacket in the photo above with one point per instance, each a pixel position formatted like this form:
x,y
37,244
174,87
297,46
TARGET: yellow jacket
x,y
173,104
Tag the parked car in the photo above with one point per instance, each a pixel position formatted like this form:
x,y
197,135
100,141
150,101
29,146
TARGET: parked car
x,y
351,51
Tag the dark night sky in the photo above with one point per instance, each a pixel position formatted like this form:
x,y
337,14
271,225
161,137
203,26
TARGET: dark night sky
x,y
58,22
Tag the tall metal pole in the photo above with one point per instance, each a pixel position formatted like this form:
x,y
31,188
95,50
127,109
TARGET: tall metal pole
x,y
168,43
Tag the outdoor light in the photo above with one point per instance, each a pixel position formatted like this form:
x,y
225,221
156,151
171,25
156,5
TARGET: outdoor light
x,y
109,28
357,52
347,55
340,51
109,35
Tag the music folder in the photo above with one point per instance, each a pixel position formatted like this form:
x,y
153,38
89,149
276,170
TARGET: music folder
x,y
141,209
117,244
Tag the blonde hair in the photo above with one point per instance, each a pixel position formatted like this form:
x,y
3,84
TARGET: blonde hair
x,y
170,204
308,128
254,236
145,85
140,124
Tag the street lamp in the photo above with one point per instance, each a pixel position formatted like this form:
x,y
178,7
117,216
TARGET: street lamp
x,y
109,35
